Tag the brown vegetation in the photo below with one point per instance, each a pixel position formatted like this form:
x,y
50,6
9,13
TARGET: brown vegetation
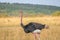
x,y
10,28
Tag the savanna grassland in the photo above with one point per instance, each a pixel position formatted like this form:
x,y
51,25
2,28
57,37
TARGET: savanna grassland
x,y
10,28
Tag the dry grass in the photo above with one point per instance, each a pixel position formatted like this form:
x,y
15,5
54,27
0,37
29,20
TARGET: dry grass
x,y
10,29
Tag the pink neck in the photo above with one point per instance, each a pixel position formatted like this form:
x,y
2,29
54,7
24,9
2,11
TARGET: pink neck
x,y
21,16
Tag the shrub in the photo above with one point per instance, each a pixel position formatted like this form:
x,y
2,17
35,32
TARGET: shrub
x,y
3,15
57,13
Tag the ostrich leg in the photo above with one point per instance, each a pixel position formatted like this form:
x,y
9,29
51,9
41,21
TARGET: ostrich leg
x,y
36,36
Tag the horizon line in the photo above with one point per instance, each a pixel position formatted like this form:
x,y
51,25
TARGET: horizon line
x,y
30,3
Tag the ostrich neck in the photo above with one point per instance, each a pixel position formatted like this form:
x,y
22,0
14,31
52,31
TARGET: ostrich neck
x,y
21,19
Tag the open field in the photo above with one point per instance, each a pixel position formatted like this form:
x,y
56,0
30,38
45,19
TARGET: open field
x,y
10,28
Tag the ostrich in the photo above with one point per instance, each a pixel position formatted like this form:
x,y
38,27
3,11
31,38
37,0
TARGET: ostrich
x,y
32,27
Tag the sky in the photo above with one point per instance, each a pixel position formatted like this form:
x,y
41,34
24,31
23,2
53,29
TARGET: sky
x,y
44,2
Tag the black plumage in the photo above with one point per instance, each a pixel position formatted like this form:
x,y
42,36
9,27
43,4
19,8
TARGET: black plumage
x,y
32,26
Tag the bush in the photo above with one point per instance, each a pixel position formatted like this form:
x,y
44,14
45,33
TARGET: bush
x,y
57,13
3,15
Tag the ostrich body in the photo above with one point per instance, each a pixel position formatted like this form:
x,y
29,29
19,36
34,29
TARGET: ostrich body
x,y
32,27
